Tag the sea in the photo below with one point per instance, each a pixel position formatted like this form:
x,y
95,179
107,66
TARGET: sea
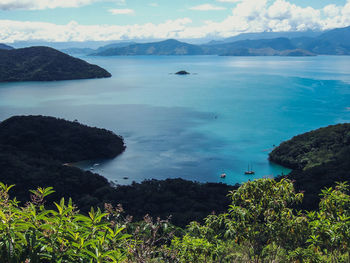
x,y
225,117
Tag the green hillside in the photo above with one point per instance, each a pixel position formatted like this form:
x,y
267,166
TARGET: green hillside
x,y
318,159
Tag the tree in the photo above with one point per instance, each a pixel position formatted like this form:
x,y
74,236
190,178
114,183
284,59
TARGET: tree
x,y
330,227
261,215
35,234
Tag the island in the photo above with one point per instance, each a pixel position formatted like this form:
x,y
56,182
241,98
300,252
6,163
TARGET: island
x,y
182,72
318,158
45,64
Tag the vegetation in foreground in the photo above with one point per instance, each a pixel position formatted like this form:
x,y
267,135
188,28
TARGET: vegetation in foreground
x,y
260,225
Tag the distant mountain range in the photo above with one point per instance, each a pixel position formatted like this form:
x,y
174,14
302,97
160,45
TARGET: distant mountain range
x,y
308,43
87,51
267,35
166,47
333,42
45,64
78,51
5,47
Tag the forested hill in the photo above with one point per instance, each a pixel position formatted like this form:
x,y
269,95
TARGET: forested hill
x,y
59,139
34,149
313,148
318,158
45,64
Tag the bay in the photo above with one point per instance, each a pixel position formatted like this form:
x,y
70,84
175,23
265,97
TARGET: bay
x,y
228,114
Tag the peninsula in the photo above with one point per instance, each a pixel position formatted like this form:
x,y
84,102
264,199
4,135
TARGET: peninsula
x,y
318,158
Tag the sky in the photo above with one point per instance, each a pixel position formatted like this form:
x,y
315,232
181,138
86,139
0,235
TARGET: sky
x,y
112,20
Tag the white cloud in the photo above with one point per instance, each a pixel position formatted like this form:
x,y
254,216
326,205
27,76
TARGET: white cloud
x,y
207,7
229,1
41,4
246,16
24,31
120,2
278,15
331,10
121,11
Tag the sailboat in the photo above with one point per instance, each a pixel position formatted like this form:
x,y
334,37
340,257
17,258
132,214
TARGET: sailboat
x,y
249,171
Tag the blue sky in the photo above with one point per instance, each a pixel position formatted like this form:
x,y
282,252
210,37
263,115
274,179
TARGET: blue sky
x,y
102,20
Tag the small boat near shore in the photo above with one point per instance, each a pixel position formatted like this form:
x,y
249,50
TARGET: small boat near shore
x,y
223,175
249,171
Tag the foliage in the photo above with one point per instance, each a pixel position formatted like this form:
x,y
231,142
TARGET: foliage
x,y
330,227
34,234
148,240
261,226
261,214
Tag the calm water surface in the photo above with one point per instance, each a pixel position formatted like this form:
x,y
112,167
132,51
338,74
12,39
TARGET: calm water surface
x,y
226,116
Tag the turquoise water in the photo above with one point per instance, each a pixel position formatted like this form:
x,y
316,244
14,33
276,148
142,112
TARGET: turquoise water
x,y
226,116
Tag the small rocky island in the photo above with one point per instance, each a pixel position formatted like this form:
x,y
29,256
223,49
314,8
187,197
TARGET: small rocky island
x,y
45,64
182,72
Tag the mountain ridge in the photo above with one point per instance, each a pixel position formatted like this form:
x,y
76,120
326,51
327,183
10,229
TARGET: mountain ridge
x,y
165,47
5,47
332,42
